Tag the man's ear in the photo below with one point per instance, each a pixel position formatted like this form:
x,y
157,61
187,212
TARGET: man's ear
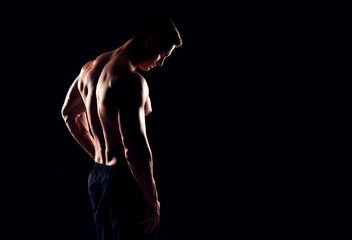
x,y
150,41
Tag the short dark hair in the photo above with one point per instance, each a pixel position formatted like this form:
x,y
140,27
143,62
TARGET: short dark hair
x,y
163,28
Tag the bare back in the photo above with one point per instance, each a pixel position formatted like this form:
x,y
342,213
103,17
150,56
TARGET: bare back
x,y
87,82
110,88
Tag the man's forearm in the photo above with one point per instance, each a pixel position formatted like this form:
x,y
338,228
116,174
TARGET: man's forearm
x,y
78,127
141,165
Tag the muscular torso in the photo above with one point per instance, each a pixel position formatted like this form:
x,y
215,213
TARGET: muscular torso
x,y
109,149
87,82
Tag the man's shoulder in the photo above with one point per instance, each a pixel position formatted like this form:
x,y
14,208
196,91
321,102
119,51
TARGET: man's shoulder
x,y
104,55
95,64
86,67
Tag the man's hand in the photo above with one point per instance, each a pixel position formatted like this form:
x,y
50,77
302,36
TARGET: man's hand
x,y
152,218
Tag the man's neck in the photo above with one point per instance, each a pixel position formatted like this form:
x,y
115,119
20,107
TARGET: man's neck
x,y
126,54
133,52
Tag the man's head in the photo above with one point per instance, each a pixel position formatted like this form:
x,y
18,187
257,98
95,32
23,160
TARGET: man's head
x,y
156,38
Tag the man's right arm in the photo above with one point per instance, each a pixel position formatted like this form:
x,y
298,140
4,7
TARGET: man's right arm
x,y
74,114
133,95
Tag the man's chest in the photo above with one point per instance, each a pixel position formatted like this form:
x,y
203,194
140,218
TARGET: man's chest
x,y
148,106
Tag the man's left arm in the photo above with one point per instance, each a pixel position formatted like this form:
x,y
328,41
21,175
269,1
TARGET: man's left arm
x,y
74,114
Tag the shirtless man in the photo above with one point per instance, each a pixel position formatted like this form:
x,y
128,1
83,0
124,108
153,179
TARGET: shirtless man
x,y
112,99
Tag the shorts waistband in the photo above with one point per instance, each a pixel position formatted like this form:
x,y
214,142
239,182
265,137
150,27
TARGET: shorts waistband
x,y
106,168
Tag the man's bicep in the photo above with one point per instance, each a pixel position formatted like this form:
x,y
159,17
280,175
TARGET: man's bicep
x,y
73,105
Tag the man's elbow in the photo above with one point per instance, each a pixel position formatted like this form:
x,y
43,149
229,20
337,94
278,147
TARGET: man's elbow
x,y
68,116
64,114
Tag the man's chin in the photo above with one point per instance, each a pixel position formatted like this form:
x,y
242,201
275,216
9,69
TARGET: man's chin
x,y
145,69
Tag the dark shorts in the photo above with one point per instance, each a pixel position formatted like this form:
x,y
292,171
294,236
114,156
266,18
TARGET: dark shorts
x,y
118,204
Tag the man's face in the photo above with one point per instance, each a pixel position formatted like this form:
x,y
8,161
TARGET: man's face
x,y
155,59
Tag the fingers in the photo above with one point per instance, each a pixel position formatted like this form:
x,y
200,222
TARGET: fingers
x,y
152,225
150,228
149,224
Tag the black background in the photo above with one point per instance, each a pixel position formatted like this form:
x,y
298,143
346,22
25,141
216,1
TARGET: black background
x,y
250,129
